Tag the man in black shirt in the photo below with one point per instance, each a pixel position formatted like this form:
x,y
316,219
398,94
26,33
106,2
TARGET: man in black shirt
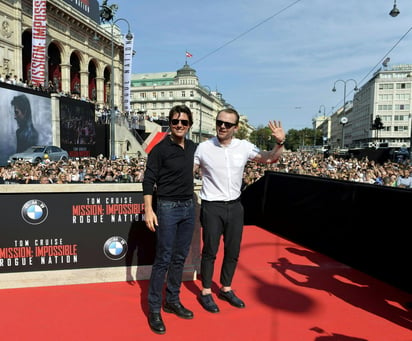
x,y
169,171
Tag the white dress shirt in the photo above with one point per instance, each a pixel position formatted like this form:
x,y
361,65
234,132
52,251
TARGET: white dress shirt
x,y
222,167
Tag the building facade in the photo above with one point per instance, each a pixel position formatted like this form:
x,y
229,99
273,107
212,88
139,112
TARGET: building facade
x,y
79,44
385,98
154,94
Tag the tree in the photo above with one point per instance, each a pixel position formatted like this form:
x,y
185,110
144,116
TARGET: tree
x,y
296,139
241,133
262,137
377,124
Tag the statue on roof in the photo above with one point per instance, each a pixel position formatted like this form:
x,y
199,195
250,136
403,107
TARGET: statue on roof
x,y
107,12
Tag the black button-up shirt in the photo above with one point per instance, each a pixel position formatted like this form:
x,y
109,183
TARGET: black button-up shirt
x,y
169,169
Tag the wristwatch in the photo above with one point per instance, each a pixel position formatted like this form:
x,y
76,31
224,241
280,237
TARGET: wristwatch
x,y
280,143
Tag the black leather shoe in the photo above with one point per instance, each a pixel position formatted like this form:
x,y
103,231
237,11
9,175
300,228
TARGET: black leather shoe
x,y
156,323
208,303
230,297
178,309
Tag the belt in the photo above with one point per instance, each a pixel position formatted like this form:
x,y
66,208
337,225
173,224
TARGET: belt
x,y
174,200
222,201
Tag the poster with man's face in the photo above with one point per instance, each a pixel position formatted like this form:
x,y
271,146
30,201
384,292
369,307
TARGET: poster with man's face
x,y
26,120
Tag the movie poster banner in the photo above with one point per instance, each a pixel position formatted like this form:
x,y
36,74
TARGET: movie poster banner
x,y
26,120
77,127
56,231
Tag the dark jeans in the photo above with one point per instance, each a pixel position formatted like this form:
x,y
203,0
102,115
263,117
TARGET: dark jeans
x,y
174,236
219,219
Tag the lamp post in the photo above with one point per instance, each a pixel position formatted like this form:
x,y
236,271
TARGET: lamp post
x,y
344,120
200,113
112,109
315,121
395,11
322,119
324,109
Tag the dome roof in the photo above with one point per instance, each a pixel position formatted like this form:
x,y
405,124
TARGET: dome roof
x,y
186,70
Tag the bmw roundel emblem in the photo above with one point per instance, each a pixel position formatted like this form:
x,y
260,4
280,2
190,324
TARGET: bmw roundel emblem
x,y
115,248
34,212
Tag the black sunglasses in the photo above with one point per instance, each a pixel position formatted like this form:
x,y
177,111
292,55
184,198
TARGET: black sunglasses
x,y
228,125
175,122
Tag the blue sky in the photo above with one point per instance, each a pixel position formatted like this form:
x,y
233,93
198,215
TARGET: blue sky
x,y
271,59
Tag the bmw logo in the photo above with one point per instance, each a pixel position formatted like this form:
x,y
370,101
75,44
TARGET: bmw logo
x,y
115,248
34,212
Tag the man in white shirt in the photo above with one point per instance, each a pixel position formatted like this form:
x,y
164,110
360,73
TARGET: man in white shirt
x,y
221,160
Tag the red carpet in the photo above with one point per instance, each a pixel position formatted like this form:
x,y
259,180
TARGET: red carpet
x,y
303,297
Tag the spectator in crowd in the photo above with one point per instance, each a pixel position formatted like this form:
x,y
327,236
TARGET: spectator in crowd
x,y
44,179
404,179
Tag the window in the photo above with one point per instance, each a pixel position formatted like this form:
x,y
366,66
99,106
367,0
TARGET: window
x,y
183,93
400,128
384,107
385,97
401,117
404,97
402,106
385,86
385,118
403,85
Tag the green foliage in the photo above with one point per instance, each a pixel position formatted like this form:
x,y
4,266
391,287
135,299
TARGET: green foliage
x,y
262,137
241,133
295,139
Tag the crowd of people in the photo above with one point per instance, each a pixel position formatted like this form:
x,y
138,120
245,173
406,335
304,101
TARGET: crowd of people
x,y
131,170
79,170
363,170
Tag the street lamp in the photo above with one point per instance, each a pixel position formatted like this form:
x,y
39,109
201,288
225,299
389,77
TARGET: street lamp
x,y
315,121
324,110
112,109
344,120
200,104
395,11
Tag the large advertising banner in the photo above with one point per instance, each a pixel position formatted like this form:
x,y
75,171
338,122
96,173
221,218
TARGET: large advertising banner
x,y
89,8
127,62
56,231
39,49
77,127
26,120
